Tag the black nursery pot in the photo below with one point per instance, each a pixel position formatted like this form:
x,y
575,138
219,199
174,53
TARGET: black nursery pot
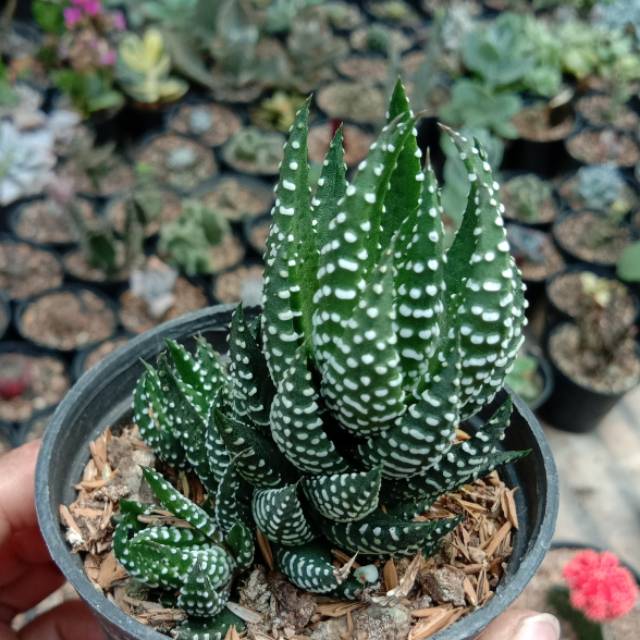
x,y
102,397
573,407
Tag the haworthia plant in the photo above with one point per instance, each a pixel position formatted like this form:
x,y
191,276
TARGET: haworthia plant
x,y
334,422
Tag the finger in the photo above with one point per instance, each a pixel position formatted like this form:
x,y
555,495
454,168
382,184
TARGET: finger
x,y
17,488
521,624
18,555
69,621
29,590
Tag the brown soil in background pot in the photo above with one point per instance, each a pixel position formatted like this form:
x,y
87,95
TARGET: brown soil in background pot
x,y
356,143
604,145
352,102
171,210
565,291
119,179
577,234
586,369
432,593
191,119
135,316
178,162
243,284
45,379
551,263
535,598
227,254
536,124
104,349
44,222
600,111
75,264
67,319
372,69
238,199
26,271
257,234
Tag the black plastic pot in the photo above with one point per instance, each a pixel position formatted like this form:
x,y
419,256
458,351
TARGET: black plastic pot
x,y
572,406
5,314
102,397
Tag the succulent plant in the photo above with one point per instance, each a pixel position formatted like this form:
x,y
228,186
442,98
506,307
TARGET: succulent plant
x,y
527,244
602,188
255,150
143,69
278,111
27,159
334,421
622,15
474,104
528,195
189,242
525,378
628,267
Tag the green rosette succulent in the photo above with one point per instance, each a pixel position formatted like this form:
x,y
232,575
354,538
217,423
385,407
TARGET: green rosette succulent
x,y
332,420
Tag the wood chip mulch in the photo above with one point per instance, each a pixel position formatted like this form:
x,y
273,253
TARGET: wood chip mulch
x,y
417,597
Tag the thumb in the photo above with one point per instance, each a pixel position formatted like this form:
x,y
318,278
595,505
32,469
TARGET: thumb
x,y
520,624
69,621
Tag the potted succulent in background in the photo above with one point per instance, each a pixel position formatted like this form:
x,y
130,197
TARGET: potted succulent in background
x,y
531,377
628,267
352,381
157,293
143,72
529,200
599,188
253,151
200,241
595,360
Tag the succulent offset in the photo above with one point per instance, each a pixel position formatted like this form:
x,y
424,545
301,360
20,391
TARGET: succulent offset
x,y
333,421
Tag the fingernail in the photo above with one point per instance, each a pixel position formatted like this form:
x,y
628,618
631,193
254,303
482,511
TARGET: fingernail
x,y
542,627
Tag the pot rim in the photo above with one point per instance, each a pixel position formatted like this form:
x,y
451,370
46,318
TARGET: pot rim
x,y
150,343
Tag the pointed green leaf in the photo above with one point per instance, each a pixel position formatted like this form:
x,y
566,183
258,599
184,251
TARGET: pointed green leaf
x,y
240,543
419,279
287,292
332,185
361,377
427,429
154,418
379,534
344,497
296,425
402,200
255,456
233,500
279,515
198,596
309,567
180,506
251,387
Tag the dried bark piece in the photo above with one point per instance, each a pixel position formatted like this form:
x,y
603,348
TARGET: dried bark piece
x,y
445,585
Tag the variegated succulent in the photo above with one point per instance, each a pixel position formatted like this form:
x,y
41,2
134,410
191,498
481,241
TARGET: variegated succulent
x,y
332,422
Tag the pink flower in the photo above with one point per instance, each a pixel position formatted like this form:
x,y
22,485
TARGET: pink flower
x,y
108,58
599,586
72,15
93,7
118,21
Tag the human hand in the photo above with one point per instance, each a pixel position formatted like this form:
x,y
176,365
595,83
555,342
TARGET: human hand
x,y
27,574
520,624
